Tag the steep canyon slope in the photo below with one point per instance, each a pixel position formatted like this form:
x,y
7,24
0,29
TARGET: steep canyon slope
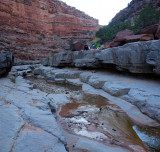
x,y
133,9
33,29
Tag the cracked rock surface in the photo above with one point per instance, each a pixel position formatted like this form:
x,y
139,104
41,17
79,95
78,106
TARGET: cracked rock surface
x,y
26,122
30,119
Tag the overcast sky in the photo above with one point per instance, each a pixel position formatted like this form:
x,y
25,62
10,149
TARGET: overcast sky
x,y
103,10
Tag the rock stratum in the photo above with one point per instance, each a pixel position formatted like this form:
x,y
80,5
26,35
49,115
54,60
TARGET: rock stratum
x,y
35,29
137,57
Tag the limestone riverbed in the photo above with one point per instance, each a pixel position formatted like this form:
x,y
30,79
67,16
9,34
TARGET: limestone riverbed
x,y
96,118
65,114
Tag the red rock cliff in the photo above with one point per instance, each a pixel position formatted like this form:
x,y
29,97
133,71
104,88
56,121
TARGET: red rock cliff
x,y
34,28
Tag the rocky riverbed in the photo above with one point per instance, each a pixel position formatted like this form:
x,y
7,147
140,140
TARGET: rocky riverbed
x,y
50,109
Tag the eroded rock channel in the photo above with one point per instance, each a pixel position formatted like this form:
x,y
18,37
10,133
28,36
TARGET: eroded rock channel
x,y
59,110
94,123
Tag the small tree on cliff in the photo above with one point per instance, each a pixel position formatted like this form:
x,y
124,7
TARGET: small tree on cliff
x,y
147,16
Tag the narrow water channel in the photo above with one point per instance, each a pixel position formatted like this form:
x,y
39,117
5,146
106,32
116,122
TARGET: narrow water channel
x,y
97,118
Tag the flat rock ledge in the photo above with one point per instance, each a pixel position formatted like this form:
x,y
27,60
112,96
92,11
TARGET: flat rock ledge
x,y
138,57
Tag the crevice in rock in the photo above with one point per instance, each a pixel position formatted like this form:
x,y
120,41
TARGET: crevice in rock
x,y
18,133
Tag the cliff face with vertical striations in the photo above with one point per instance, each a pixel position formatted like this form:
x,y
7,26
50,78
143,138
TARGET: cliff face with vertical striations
x,y
33,29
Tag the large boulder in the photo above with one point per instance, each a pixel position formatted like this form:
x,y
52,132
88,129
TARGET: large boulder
x,y
140,37
157,35
151,30
120,37
77,46
6,62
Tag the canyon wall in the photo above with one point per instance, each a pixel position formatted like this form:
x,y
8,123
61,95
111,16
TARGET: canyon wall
x,y
34,29
133,9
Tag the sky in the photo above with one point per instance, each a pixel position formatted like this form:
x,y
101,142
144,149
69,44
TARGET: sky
x,y
103,10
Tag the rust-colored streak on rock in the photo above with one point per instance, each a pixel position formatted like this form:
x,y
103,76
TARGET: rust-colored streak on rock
x,y
37,22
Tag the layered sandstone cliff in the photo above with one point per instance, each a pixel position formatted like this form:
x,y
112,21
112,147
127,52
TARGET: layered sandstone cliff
x,y
33,28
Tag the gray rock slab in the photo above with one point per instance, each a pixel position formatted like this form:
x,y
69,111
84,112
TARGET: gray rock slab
x,y
116,88
132,111
19,99
94,146
10,125
70,74
42,119
84,76
59,80
75,82
42,70
42,106
21,68
33,141
58,98
96,82
4,91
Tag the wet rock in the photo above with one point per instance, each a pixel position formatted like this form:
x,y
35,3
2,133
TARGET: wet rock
x,y
6,62
38,141
94,146
10,126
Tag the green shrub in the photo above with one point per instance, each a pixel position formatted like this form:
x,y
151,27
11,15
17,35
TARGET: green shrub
x,y
39,38
147,16
13,79
37,32
53,47
83,41
42,36
70,42
108,33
